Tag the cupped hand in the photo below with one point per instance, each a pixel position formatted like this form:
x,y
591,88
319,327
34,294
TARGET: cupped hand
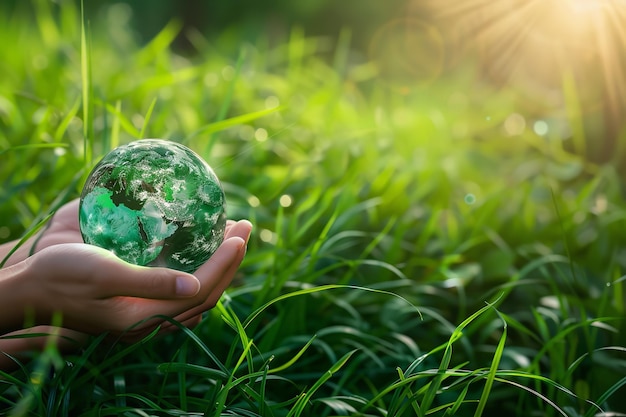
x,y
98,292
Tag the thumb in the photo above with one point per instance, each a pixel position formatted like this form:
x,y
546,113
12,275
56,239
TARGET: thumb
x,y
102,274
149,282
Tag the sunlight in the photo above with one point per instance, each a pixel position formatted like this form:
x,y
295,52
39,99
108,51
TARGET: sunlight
x,y
534,45
583,6
579,17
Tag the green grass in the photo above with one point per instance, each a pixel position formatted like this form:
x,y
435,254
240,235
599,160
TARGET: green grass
x,y
409,258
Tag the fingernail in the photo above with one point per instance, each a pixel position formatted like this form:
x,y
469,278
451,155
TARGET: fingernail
x,y
247,222
187,287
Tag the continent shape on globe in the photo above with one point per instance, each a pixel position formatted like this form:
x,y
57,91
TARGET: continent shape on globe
x,y
156,203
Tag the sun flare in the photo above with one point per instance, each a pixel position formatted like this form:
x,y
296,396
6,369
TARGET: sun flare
x,y
543,49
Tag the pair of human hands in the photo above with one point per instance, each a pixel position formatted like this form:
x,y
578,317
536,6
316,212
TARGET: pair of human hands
x,y
97,292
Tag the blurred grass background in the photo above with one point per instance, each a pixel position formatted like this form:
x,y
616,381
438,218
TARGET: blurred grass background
x,y
454,153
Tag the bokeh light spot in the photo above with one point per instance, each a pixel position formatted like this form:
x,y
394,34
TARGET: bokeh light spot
x,y
260,134
272,102
254,201
515,124
470,199
541,127
246,132
285,200
137,120
267,236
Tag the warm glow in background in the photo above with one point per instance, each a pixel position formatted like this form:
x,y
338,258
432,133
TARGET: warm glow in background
x,y
558,56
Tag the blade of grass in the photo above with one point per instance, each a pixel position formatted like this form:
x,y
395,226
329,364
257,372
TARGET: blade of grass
x,y
115,128
606,395
409,394
230,122
427,374
259,310
123,120
182,380
221,399
265,409
33,146
460,400
49,359
559,337
146,120
535,393
294,359
80,364
299,406
191,369
87,87
47,25
495,363
159,43
60,131
233,321
429,397
119,386
223,110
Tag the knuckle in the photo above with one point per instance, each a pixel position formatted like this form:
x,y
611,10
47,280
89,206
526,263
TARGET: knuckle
x,y
156,283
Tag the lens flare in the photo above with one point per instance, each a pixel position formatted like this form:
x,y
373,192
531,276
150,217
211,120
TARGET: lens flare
x,y
545,49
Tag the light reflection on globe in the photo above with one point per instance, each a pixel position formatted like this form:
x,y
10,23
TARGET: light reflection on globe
x,y
156,203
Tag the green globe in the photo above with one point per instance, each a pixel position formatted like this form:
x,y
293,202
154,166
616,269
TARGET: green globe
x,y
156,203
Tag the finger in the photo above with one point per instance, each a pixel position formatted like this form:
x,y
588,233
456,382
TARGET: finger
x,y
241,228
228,255
219,264
67,215
217,268
216,291
192,317
229,224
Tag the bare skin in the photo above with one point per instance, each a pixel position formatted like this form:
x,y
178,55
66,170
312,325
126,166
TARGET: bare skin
x,y
96,292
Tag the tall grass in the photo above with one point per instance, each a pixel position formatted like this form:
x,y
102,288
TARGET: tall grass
x,y
409,258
